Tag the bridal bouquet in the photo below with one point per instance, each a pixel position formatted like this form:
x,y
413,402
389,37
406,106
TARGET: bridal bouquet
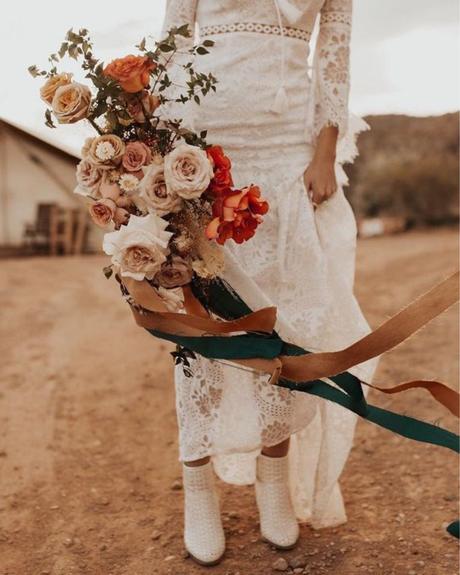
x,y
168,195
170,200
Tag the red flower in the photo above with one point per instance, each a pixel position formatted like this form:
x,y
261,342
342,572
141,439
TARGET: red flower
x,y
237,213
222,175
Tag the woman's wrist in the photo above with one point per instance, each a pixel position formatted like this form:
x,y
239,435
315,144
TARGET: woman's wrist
x,y
326,145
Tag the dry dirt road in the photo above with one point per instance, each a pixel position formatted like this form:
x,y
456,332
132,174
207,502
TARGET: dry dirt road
x,y
88,449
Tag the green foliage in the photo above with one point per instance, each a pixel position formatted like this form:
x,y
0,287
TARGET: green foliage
x,y
109,111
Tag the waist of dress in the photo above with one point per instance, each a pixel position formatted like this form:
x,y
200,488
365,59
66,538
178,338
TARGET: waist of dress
x,y
272,29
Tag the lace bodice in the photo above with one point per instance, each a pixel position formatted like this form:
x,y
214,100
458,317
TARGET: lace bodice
x,y
330,75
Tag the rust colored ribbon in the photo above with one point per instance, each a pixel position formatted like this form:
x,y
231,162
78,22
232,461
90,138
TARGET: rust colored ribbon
x,y
312,366
156,316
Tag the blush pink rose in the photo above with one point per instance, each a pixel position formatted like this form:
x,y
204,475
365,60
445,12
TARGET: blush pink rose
x,y
103,211
136,155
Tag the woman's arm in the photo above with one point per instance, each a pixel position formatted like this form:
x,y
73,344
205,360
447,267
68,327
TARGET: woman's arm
x,y
331,89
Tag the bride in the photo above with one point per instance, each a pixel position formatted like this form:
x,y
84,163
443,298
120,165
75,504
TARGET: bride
x,y
285,127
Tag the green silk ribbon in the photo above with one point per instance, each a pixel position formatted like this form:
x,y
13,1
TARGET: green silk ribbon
x,y
220,299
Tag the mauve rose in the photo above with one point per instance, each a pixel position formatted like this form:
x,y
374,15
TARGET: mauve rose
x,y
156,194
121,216
89,178
188,171
136,155
71,103
103,211
175,272
138,107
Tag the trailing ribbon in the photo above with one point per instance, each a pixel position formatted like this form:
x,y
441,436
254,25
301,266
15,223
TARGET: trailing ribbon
x,y
304,366
293,367
159,318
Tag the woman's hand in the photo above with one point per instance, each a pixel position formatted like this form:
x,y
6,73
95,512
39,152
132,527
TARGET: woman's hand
x,y
319,177
320,181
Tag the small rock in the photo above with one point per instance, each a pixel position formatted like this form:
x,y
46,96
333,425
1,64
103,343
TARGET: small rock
x,y
185,554
176,485
280,564
233,515
54,507
103,547
298,561
170,558
412,572
155,535
68,542
298,570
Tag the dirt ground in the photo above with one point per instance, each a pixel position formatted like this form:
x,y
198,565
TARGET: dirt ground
x,y
88,447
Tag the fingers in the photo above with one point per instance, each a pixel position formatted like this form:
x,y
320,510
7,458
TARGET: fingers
x,y
320,193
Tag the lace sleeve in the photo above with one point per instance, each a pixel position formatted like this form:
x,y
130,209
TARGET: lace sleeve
x,y
331,66
178,13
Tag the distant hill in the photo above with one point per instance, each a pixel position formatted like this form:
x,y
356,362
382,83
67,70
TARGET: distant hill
x,y
408,166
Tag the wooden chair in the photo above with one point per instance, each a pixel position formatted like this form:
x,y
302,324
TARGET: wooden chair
x,y
57,230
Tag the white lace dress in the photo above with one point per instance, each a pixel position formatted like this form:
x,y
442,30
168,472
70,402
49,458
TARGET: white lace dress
x,y
266,113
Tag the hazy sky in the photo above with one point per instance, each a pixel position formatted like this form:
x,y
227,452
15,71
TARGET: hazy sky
x,y
405,53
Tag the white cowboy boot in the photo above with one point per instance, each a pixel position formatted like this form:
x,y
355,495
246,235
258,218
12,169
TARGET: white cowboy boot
x,y
203,533
278,523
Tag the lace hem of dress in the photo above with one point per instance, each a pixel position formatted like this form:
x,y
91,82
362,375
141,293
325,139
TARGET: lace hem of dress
x,y
288,31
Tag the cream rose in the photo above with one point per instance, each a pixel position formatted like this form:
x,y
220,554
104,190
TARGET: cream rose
x,y
188,171
49,88
105,151
172,298
155,193
89,179
71,103
174,273
140,247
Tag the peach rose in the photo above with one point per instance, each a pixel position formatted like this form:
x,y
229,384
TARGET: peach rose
x,y
139,248
49,88
174,273
103,211
136,155
110,190
156,194
131,72
71,103
105,151
188,171
89,179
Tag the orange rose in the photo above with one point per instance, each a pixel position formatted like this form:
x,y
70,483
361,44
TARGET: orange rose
x,y
237,213
131,72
